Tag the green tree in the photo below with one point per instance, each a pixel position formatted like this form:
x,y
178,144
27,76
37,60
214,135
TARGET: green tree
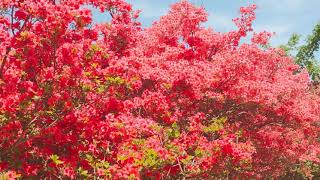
x,y
305,54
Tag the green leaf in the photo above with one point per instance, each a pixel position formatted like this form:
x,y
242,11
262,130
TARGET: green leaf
x,y
122,158
115,80
36,98
83,172
187,160
198,153
55,159
101,89
175,130
150,158
89,158
215,126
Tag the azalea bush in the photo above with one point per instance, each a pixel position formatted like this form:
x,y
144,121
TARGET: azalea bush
x,y
175,100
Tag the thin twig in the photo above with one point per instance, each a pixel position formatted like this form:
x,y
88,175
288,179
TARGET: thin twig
x,y
4,62
12,14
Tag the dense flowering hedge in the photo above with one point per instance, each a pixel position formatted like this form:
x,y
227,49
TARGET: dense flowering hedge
x,y
175,100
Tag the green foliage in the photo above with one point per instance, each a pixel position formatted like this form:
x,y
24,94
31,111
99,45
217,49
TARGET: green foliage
x,y
291,44
115,80
83,172
174,131
92,51
138,142
3,176
96,164
150,158
3,118
304,170
305,53
215,126
55,159
199,153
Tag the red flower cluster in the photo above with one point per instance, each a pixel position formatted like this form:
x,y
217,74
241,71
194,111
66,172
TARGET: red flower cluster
x,y
175,100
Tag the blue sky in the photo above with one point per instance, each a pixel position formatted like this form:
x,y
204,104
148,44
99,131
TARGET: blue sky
x,y
283,17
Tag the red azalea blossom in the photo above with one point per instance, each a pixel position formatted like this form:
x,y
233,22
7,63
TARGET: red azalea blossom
x,y
69,172
20,14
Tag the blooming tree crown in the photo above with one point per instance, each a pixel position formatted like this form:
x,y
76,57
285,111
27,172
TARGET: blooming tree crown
x,y
80,99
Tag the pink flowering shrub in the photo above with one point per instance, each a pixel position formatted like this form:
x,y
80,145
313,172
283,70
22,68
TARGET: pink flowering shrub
x,y
174,100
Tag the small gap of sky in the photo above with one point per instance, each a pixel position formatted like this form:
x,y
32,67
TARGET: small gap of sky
x,y
97,16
